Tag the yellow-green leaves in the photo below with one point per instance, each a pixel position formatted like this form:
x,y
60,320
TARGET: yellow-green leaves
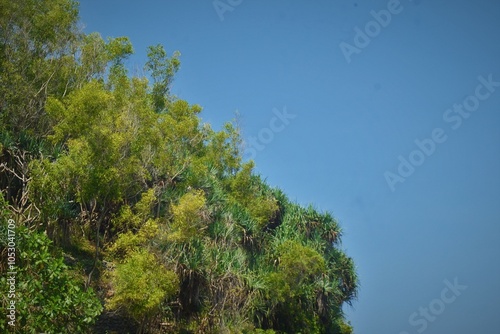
x,y
246,191
298,266
300,262
93,57
140,284
223,149
162,70
136,225
75,116
189,216
119,48
132,218
102,139
130,242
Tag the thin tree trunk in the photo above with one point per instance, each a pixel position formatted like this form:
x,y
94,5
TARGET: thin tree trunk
x,y
96,256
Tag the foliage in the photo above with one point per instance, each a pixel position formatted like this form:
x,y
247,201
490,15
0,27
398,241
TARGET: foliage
x,y
184,233
48,293
247,191
299,263
188,216
345,328
162,71
140,284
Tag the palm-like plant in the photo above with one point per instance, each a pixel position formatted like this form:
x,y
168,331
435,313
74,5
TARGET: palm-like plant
x,y
157,188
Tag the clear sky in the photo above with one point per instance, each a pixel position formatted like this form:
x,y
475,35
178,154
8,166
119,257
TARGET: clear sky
x,y
388,119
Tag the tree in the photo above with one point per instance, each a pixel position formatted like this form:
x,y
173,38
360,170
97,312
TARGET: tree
x,y
162,70
140,285
159,211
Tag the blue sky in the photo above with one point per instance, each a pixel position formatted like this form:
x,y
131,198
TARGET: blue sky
x,y
352,120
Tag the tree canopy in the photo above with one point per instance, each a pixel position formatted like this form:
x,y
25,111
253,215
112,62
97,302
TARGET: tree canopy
x,y
125,201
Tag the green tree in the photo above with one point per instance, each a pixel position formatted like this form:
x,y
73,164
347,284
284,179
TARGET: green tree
x,y
162,70
183,232
48,293
140,284
188,216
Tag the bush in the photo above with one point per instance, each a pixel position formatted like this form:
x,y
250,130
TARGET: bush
x,y
140,284
49,297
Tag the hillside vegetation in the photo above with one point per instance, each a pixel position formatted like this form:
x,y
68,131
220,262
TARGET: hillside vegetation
x,y
127,205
